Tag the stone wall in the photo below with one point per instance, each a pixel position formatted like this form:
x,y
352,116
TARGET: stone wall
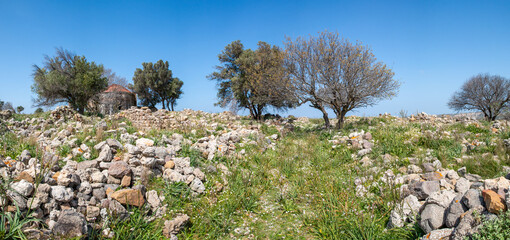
x,y
113,102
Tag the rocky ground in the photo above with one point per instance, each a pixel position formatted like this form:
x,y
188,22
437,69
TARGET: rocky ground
x,y
153,175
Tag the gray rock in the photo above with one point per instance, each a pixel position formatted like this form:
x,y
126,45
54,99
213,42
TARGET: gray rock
x,y
149,152
172,227
153,198
413,169
197,186
432,217
462,185
98,177
119,169
85,188
17,199
25,156
472,199
148,162
70,224
404,212
115,208
442,198
113,143
105,155
160,152
429,167
423,189
439,234
99,193
467,225
473,177
84,165
23,187
462,171
454,211
62,194
100,145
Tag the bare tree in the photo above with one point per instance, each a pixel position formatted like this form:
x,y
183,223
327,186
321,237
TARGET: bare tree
x,y
332,72
113,78
302,61
489,94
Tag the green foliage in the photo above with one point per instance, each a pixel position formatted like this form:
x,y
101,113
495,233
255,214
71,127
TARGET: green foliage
x,y
252,80
20,109
498,228
39,111
136,227
67,78
12,223
155,83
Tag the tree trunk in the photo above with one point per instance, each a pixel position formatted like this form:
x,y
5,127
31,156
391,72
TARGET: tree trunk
x,y
163,103
341,118
327,124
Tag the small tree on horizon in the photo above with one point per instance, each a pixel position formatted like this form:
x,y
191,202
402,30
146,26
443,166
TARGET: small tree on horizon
x,y
489,94
20,109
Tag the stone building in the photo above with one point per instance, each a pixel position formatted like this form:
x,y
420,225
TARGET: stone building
x,y
114,99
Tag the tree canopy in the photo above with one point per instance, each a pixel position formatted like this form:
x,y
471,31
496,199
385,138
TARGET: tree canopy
x,y
67,78
253,80
154,83
329,71
487,93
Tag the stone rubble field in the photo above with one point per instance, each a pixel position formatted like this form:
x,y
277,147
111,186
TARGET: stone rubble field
x,y
76,175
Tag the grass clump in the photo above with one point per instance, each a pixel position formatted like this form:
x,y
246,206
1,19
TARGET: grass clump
x,y
498,228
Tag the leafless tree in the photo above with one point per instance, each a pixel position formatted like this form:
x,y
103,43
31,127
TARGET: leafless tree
x,y
487,93
302,61
330,71
113,78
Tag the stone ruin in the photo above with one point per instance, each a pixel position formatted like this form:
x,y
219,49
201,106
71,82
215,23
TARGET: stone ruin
x,y
114,99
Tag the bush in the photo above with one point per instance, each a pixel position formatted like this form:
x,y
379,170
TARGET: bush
x,y
498,228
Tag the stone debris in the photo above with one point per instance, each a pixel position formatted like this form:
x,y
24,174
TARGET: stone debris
x,y
95,179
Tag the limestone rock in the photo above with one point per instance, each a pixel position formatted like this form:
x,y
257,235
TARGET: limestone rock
x,y
132,197
494,202
70,224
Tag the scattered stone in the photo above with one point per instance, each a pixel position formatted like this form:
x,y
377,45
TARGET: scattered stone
x,y
131,197
494,202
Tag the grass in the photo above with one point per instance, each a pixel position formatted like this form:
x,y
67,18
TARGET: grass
x,y
303,188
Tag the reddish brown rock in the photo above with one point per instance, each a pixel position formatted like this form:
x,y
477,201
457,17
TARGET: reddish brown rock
x,y
55,176
493,201
126,181
170,164
131,197
25,176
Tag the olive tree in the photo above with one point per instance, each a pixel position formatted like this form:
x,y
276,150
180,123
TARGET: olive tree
x,y
253,80
67,78
154,83
487,93
329,71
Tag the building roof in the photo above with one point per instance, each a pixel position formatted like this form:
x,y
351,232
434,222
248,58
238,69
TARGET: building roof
x,y
117,88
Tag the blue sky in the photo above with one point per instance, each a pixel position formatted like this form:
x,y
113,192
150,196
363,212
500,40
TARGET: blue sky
x,y
432,46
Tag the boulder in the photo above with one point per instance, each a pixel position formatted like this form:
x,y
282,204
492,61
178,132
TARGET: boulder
x,y
131,197
119,169
172,227
23,187
493,202
70,224
439,234
454,211
423,189
472,199
432,217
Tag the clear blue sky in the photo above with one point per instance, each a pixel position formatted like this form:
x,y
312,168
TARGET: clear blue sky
x,y
432,46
